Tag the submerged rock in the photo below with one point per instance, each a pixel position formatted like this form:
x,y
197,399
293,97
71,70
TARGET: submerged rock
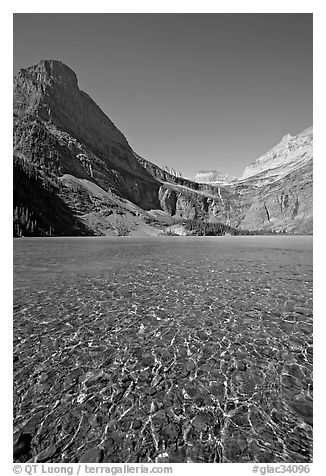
x,y
93,455
46,454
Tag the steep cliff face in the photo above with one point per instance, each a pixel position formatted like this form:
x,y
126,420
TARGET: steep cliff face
x,y
285,205
282,185
60,129
264,201
75,172
50,91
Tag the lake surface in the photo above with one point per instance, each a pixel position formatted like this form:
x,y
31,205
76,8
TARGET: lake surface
x,y
174,349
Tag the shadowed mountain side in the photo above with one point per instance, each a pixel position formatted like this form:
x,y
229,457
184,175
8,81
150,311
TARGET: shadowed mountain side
x,y
38,210
68,206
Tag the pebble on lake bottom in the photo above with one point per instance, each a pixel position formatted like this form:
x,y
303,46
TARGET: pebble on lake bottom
x,y
223,375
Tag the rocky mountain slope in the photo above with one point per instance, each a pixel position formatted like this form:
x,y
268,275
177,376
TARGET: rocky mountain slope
x,y
75,173
263,201
287,156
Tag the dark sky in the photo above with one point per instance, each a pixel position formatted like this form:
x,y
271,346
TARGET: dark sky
x,y
191,91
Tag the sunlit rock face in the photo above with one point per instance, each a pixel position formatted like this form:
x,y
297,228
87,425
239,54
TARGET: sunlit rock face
x,y
282,183
87,177
285,204
289,155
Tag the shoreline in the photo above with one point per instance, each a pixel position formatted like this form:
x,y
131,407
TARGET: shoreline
x,y
276,235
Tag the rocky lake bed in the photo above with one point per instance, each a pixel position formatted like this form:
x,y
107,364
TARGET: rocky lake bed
x,y
163,349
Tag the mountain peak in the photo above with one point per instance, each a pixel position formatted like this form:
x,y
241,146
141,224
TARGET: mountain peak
x,y
48,71
286,138
48,94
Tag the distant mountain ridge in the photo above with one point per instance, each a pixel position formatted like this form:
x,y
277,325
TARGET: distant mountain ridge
x,y
75,172
291,153
213,176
